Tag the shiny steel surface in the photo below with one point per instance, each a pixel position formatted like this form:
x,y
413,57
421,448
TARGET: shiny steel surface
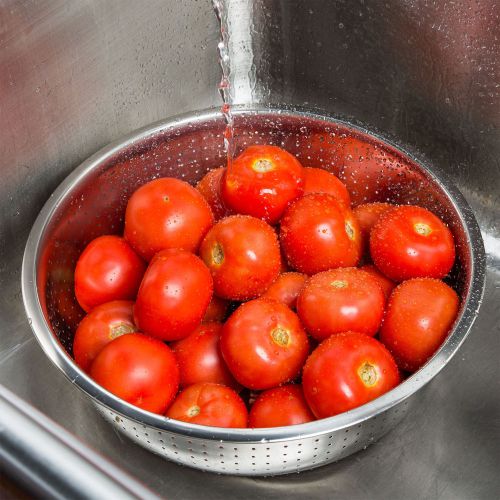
x,y
77,75
70,470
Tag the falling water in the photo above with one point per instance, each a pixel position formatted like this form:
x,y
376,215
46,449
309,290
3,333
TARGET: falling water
x,y
225,83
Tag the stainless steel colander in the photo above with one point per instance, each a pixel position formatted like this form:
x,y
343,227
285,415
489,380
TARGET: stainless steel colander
x,y
91,202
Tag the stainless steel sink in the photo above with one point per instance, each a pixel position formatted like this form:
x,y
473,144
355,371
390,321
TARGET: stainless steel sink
x,y
77,75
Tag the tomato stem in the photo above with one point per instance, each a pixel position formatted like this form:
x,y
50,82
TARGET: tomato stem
x,y
217,254
280,336
263,165
193,411
368,374
422,229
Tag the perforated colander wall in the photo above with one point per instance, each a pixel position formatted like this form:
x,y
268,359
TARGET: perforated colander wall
x,y
261,457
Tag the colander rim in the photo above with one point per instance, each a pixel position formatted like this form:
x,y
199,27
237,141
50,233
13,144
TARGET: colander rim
x,y
57,354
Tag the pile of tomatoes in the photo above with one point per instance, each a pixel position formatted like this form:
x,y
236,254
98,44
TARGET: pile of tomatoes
x,y
248,291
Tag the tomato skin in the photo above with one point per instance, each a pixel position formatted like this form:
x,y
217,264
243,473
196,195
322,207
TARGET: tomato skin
x,y
210,188
345,371
173,296
367,216
108,269
262,181
280,406
419,316
99,327
314,234
216,311
340,300
385,283
263,344
401,252
286,288
138,369
243,255
209,404
200,359
166,213
318,180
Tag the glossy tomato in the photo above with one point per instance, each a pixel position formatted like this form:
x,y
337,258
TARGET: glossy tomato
x,y
263,344
286,289
209,404
340,300
103,324
411,242
173,296
385,283
318,233
419,316
243,256
318,180
345,371
217,310
108,269
280,406
138,369
200,359
166,213
262,181
210,188
367,215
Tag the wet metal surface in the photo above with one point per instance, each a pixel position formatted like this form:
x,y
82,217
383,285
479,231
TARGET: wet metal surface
x,y
76,75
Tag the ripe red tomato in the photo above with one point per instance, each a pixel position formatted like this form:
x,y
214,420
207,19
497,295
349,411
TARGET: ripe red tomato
x,y
280,406
286,289
340,300
367,216
210,188
173,296
209,404
318,233
263,344
216,311
411,242
262,181
108,269
419,316
318,180
243,256
385,283
166,213
345,371
138,369
200,359
103,324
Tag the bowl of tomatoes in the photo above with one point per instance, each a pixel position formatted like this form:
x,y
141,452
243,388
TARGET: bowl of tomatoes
x,y
262,316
